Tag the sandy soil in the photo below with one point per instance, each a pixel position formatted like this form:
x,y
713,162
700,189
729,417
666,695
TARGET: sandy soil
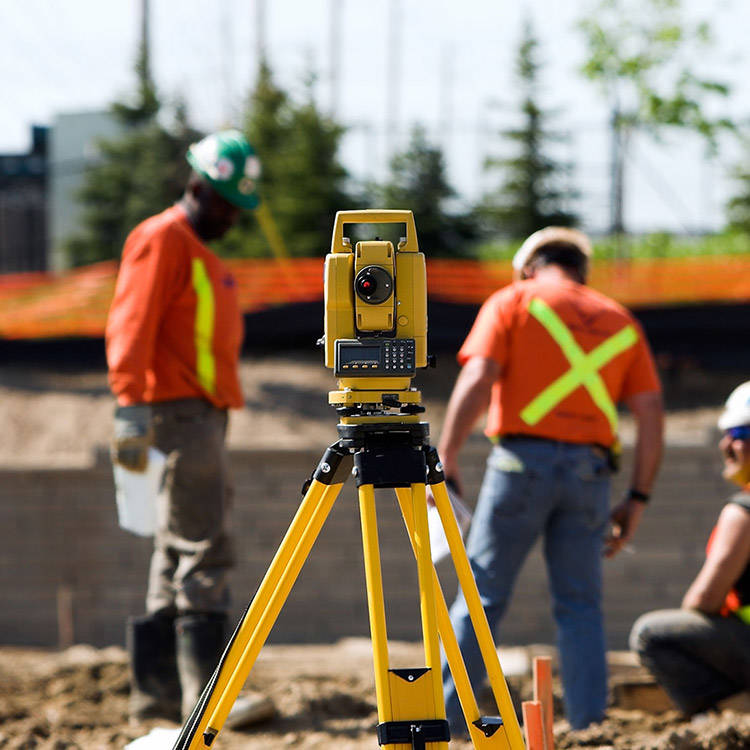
x,y
58,417
324,696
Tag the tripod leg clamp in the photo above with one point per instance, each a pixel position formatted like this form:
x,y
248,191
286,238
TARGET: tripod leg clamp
x,y
334,467
416,733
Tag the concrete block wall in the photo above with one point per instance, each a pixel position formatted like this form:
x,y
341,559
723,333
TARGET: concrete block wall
x,y
61,551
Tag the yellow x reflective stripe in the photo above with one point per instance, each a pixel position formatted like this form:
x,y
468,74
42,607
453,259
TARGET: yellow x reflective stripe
x,y
744,614
204,326
584,368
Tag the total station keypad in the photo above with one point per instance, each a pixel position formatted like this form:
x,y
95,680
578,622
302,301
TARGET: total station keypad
x,y
398,355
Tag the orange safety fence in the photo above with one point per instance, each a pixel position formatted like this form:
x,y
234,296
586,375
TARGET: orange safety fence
x,y
39,305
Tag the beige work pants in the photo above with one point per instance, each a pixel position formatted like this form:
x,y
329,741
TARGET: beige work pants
x,y
192,548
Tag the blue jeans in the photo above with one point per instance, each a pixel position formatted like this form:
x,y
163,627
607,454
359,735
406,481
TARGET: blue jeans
x,y
698,659
560,490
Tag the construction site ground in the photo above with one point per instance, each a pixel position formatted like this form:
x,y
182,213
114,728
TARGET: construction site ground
x,y
323,694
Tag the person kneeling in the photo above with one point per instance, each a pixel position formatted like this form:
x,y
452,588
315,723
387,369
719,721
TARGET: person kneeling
x,y
700,653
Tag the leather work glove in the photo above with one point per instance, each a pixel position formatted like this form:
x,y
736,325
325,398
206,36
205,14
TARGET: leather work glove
x,y
132,437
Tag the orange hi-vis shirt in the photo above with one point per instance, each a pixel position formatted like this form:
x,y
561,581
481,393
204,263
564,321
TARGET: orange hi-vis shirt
x,y
567,354
174,329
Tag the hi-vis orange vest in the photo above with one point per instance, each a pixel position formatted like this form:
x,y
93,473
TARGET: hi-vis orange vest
x,y
567,356
174,329
737,601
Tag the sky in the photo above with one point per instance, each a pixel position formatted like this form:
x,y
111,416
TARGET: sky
x,y
452,73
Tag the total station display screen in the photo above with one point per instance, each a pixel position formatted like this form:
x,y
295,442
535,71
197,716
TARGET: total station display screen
x,y
357,354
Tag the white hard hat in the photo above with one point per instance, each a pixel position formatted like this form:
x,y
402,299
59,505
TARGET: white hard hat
x,y
544,237
737,408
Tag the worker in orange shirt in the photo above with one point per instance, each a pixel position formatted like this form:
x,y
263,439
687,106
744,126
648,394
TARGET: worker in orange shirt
x,y
173,342
551,358
700,653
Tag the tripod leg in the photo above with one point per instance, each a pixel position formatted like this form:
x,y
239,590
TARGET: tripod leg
x,y
425,572
375,599
447,636
478,617
238,659
410,714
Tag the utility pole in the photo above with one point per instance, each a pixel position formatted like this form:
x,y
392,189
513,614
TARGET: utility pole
x,y
393,77
617,177
447,68
227,57
145,51
336,9
260,34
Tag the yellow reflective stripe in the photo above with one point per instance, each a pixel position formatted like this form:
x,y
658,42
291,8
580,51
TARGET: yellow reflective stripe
x,y
743,613
584,367
204,327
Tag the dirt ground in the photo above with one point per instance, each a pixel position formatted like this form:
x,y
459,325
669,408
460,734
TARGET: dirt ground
x,y
324,695
324,698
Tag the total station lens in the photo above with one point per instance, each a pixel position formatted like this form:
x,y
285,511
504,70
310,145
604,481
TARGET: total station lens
x,y
373,285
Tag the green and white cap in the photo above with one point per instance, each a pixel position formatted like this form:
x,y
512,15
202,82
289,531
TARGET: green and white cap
x,y
228,163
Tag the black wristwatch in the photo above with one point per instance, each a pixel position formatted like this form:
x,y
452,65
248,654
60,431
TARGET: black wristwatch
x,y
641,497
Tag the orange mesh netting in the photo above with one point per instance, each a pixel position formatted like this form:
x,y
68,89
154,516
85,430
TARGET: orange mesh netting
x,y
75,303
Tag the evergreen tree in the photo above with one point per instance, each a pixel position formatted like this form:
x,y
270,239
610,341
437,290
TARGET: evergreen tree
x,y
534,192
138,174
302,183
417,182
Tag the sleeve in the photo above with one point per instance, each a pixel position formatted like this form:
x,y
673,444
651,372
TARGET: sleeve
x,y
488,336
641,376
143,290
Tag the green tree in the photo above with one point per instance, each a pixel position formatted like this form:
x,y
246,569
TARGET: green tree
x,y
417,182
534,192
303,183
644,54
137,174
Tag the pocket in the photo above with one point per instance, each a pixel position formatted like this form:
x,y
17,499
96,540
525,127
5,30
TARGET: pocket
x,y
507,482
503,459
593,468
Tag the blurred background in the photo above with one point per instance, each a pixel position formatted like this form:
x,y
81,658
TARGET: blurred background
x,y
626,118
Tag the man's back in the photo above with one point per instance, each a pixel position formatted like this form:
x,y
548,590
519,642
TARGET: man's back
x,y
567,354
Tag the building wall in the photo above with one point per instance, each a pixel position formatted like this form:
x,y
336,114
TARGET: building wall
x,y
61,551
23,221
73,145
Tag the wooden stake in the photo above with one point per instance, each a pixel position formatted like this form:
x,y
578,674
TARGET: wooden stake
x,y
543,694
533,727
64,616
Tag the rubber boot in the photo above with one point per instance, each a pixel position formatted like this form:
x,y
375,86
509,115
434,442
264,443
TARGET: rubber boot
x,y
155,688
200,639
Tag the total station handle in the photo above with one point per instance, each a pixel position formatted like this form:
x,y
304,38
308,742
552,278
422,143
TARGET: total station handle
x,y
374,216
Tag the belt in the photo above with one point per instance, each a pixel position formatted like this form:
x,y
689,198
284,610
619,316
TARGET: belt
x,y
607,452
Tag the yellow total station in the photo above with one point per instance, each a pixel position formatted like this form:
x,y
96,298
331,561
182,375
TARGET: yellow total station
x,y
375,338
375,324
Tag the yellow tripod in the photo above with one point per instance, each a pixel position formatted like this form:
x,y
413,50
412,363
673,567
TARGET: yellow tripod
x,y
381,451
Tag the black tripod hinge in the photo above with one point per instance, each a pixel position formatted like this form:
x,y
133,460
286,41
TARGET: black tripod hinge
x,y
416,733
334,468
434,467
488,724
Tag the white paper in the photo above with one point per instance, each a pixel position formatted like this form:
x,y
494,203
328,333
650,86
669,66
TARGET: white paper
x,y
438,541
159,738
136,494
